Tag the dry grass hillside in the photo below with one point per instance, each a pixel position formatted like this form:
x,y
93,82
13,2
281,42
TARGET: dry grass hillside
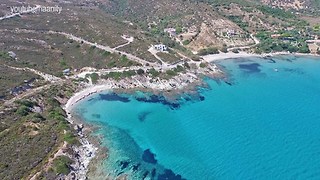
x,y
292,4
200,22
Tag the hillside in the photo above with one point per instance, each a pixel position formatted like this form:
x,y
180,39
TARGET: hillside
x,y
220,24
293,4
46,57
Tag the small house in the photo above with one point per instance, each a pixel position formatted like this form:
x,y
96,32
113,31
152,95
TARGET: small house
x,y
172,31
231,33
12,54
161,47
66,72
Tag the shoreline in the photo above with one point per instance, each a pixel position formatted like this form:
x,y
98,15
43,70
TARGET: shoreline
x,y
89,150
230,55
84,152
92,89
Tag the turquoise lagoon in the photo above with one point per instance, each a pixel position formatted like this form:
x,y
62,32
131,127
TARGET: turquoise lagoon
x,y
264,123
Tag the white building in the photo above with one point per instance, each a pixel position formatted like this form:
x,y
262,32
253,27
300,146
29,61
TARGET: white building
x,y
160,47
172,31
12,54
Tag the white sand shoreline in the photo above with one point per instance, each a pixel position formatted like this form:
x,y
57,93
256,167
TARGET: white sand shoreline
x,y
83,94
231,55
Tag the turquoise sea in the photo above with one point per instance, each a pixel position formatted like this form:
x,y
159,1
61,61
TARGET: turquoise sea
x,y
264,123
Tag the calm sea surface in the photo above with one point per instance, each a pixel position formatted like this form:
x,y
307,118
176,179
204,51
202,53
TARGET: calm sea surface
x,y
263,124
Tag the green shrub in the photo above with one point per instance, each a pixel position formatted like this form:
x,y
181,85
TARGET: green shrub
x,y
106,53
61,165
23,110
171,73
53,102
179,69
195,58
63,63
94,78
36,118
186,65
4,55
207,51
203,65
178,29
304,49
140,71
26,103
186,42
70,138
154,73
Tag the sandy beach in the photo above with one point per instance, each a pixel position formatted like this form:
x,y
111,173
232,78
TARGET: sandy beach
x,y
231,55
83,94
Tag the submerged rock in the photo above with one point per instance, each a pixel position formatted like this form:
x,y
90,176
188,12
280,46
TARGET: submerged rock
x,y
149,157
169,175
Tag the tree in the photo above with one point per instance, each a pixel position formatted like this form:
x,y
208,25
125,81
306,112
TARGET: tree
x,y
178,30
140,71
304,49
61,165
171,73
276,47
23,110
203,65
292,49
186,42
211,50
94,77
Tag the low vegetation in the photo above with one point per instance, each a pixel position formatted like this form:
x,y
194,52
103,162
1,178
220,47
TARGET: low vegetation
x,y
61,165
207,51
290,41
32,131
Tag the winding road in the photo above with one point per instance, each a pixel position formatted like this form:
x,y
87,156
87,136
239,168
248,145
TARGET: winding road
x,y
256,41
105,48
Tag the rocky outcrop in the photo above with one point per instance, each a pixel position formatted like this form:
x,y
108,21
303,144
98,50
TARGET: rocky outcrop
x,y
82,155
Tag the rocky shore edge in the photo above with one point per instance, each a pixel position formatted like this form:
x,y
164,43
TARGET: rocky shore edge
x,y
83,153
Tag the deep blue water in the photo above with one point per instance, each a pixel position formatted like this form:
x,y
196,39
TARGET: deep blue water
x,y
264,123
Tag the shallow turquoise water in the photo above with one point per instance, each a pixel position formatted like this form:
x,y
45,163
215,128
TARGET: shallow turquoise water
x,y
266,125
